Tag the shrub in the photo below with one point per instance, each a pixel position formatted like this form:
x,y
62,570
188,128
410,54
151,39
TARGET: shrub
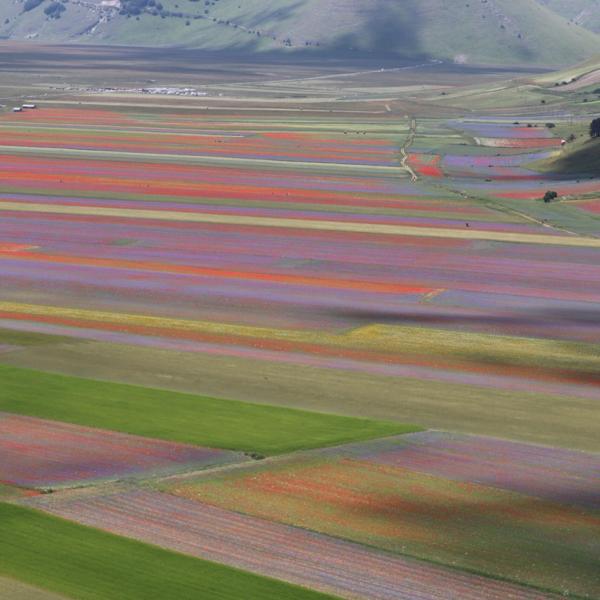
x,y
550,195
31,4
135,7
54,10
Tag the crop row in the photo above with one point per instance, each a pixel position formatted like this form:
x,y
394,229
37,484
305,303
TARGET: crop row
x,y
344,569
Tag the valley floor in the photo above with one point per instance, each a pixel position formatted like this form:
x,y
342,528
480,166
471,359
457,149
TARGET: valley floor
x,y
309,333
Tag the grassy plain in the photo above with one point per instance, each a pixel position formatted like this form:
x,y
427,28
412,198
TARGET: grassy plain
x,y
529,416
88,564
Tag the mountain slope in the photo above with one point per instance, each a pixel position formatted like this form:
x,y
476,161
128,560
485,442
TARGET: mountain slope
x,y
475,31
581,12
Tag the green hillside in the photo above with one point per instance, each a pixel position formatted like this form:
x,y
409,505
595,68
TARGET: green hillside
x,y
493,32
583,76
579,158
582,12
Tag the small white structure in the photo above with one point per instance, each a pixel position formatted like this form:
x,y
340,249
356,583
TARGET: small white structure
x,y
563,142
29,106
17,109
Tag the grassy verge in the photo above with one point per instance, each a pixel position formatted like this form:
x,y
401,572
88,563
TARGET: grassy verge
x,y
88,564
180,417
24,338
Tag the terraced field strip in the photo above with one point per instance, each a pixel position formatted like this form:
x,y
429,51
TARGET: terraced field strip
x,y
86,564
94,129
319,225
198,115
254,163
513,357
554,474
164,415
281,278
327,564
321,149
38,453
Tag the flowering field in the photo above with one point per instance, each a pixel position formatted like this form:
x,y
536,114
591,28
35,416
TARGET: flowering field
x,y
475,503
221,314
426,164
218,313
554,474
300,241
502,135
502,167
67,560
38,453
591,206
324,563
495,159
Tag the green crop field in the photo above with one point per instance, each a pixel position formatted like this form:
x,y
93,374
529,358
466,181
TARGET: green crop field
x,y
180,417
88,564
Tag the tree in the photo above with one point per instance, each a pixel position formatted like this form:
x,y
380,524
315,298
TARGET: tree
x,y
550,195
54,10
595,128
